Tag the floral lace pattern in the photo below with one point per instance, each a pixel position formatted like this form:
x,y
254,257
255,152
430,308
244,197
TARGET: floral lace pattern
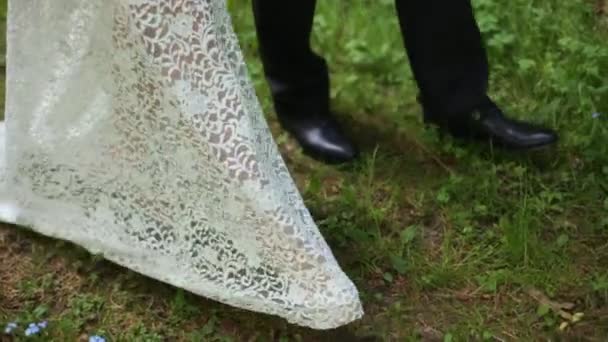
x,y
132,129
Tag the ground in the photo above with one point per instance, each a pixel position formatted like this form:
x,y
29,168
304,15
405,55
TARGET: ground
x,y
446,241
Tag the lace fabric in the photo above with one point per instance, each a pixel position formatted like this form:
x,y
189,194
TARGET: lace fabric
x,y
132,129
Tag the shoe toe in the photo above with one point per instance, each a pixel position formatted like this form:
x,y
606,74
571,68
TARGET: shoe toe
x,y
328,144
542,137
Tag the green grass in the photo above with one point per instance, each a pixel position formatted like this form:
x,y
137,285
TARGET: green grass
x,y
446,241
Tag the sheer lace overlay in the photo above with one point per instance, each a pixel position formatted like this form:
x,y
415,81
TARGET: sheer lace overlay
x,y
132,129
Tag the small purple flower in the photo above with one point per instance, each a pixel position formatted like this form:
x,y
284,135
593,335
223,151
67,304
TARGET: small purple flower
x,y
43,324
96,338
10,328
32,329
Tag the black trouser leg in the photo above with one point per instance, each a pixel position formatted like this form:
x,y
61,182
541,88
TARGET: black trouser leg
x,y
298,78
446,54
442,40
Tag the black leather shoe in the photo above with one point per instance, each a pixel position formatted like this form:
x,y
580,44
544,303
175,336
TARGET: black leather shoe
x,y
489,123
320,137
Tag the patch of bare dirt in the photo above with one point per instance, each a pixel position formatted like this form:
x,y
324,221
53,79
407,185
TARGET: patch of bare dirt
x,y
15,266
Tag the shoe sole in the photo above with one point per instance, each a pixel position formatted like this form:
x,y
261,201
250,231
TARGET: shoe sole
x,y
320,157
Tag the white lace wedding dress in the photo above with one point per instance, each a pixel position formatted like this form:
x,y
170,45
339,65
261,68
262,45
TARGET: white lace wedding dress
x,y
132,130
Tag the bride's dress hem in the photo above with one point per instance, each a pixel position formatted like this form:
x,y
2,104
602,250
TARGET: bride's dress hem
x,y
41,221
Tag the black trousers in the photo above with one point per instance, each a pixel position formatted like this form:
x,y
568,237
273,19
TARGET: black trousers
x,y
442,39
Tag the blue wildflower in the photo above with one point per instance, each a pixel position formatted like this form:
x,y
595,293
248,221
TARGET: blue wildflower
x,y
96,338
43,324
32,329
10,327
596,115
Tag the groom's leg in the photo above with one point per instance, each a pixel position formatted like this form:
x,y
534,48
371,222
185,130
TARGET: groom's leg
x,y
450,64
446,53
298,78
